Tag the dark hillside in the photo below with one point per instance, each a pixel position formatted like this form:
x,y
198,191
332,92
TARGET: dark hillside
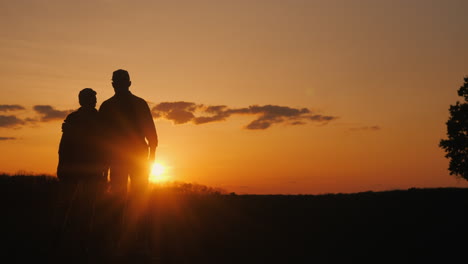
x,y
41,220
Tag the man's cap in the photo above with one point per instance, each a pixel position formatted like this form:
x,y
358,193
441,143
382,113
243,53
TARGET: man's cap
x,y
120,75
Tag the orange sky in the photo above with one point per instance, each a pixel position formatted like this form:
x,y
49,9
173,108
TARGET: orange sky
x,y
385,71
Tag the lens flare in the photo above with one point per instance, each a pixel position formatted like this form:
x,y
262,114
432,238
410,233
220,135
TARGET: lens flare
x,y
158,173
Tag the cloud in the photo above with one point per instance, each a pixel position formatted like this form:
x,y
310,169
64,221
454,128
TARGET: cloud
x,y
6,108
7,138
10,121
321,118
296,123
179,112
218,113
182,112
48,113
365,128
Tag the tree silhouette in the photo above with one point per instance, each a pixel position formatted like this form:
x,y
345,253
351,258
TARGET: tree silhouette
x,y
456,146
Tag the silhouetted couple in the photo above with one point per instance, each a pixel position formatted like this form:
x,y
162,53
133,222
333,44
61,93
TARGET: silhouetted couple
x,y
120,138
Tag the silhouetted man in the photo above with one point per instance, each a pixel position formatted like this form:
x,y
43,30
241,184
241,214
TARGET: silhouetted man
x,y
80,155
130,135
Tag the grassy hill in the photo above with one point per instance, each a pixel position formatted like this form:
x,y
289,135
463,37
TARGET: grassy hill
x,y
42,220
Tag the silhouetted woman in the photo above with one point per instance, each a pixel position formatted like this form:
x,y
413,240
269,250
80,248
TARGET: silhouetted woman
x,y
80,155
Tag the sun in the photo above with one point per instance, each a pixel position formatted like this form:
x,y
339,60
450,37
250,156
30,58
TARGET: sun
x,y
158,173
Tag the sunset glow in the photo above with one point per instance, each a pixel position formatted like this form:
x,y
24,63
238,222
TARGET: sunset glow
x,y
158,173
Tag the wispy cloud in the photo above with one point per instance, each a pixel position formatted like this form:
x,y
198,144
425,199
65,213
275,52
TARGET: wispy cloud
x,y
179,112
48,113
10,121
183,112
7,138
6,108
366,128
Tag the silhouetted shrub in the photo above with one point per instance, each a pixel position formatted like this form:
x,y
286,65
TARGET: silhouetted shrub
x,y
187,188
456,145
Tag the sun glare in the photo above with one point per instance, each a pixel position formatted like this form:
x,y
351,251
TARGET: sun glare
x,y
158,173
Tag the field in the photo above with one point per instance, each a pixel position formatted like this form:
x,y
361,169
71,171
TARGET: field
x,y
44,221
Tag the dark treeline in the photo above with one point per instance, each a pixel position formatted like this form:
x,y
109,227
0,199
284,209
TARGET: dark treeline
x,y
42,220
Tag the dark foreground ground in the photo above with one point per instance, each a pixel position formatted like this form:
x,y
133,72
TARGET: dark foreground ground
x,y
41,222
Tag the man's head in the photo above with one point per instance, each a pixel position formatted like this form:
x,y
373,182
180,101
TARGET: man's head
x,y
87,98
121,81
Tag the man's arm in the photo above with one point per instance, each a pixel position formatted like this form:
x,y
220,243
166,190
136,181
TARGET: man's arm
x,y
150,132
